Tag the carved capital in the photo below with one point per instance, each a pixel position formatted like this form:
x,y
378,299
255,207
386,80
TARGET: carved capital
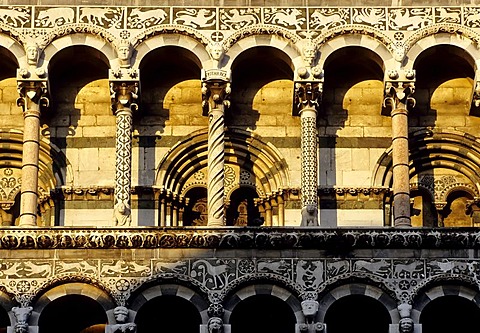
x,y
33,95
215,90
399,88
124,95
308,95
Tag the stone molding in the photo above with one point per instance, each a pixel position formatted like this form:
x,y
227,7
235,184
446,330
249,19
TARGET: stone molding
x,y
342,240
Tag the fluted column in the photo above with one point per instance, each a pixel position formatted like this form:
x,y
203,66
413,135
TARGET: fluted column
x,y
399,87
33,95
307,95
124,95
215,92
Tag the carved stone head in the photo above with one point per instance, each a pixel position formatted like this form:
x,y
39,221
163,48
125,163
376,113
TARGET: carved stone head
x,y
121,314
215,325
399,53
309,53
310,308
32,54
22,314
216,51
405,325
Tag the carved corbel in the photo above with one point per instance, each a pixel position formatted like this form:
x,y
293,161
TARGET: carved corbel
x,y
32,93
216,90
122,325
405,325
124,94
21,315
399,88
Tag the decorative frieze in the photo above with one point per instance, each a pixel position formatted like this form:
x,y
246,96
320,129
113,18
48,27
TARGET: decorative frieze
x,y
271,238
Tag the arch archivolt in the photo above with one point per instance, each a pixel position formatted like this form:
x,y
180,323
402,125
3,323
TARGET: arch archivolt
x,y
442,286
358,288
234,297
369,38
183,37
274,37
441,34
184,166
198,299
75,35
67,285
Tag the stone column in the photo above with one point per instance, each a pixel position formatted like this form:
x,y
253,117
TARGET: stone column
x,y
215,94
307,95
32,97
399,87
124,95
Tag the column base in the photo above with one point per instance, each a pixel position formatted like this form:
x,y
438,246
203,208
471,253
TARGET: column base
x,y
28,220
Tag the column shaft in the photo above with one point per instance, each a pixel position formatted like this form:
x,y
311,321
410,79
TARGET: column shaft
x,y
309,170
29,189
123,156
401,176
216,162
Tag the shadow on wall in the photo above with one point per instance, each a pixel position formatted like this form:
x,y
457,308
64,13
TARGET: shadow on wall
x,y
171,96
352,99
78,85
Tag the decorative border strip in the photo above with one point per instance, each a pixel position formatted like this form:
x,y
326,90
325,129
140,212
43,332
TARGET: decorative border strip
x,y
339,240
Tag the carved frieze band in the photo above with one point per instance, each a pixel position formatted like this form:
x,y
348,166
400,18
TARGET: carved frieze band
x,y
403,277
208,18
268,238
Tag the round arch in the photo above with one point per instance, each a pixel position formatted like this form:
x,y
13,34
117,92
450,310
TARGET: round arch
x,y
452,35
246,291
287,51
332,42
197,51
95,293
241,148
432,149
106,50
327,299
439,288
141,297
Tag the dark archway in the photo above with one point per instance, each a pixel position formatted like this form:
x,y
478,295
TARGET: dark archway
x,y
168,313
450,314
72,314
241,210
4,320
359,314
262,313
196,211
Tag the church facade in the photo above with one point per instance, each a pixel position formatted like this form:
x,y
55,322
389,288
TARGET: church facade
x,y
239,168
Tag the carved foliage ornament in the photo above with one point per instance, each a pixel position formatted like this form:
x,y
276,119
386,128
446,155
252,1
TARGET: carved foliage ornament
x,y
308,94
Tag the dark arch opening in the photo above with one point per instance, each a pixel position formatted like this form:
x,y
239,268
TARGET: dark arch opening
x,y
168,313
241,210
359,314
262,313
450,314
4,320
72,314
196,211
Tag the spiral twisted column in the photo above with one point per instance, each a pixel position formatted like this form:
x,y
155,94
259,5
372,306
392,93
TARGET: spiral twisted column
x,y
124,96
307,95
215,92
399,87
33,96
